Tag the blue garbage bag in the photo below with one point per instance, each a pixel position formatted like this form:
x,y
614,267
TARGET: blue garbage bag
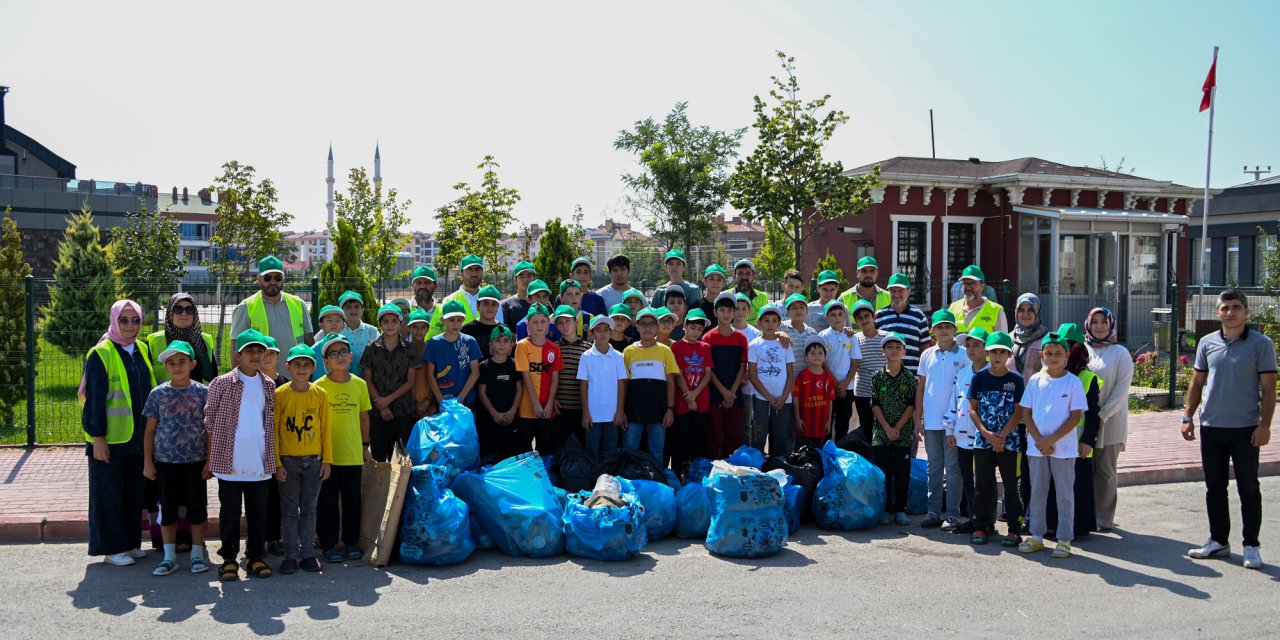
x,y
659,507
435,526
672,479
851,494
447,438
606,532
693,511
745,456
481,537
699,469
515,504
918,488
747,516
792,503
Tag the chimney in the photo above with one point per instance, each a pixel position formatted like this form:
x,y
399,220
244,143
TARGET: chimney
x,y
175,194
3,91
184,194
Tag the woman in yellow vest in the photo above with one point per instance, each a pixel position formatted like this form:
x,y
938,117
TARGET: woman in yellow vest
x,y
1086,519
117,378
182,322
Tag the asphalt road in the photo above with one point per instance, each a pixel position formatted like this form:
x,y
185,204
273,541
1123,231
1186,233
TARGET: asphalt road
x,y
888,582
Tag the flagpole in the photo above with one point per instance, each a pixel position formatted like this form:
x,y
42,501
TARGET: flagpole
x,y
1208,164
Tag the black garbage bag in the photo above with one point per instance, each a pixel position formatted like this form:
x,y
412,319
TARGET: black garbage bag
x,y
574,467
804,465
632,464
856,443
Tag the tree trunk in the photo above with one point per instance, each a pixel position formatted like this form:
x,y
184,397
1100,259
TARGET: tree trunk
x,y
797,244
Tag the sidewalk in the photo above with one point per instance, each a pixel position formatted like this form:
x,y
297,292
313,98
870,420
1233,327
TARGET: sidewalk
x,y
44,492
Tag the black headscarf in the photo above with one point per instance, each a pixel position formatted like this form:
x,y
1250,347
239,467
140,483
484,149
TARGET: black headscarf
x,y
193,335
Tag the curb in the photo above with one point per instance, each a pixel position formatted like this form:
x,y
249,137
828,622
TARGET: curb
x,y
67,527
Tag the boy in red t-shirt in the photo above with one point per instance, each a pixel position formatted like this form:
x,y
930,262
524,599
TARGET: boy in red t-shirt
x,y
729,374
814,391
688,439
539,364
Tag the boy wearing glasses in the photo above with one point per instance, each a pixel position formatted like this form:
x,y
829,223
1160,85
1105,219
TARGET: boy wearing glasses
x,y
349,407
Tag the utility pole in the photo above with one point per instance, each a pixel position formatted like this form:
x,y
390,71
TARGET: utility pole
x,y
1257,171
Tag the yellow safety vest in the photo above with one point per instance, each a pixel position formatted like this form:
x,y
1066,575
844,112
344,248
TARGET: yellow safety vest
x,y
851,297
437,319
119,402
256,310
157,342
988,315
1086,378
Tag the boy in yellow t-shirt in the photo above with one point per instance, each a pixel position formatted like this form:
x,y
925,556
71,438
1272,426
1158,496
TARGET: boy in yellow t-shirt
x,y
349,407
304,451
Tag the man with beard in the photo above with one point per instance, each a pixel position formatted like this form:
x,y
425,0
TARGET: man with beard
x,y
271,311
513,309
744,277
866,288
424,290
975,309
472,270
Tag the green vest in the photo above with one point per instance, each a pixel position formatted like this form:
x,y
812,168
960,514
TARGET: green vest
x,y
851,297
988,315
437,319
157,342
119,402
256,310
1086,379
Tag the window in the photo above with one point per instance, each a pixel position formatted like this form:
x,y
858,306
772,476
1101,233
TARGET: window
x,y
1233,261
911,257
1073,264
962,244
1199,260
1144,265
739,245
1263,247
193,231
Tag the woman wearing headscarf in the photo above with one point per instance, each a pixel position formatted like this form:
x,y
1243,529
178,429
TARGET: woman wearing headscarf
x,y
182,322
1113,364
1028,331
117,378
1085,517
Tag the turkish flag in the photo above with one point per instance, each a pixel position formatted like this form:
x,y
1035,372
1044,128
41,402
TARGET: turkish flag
x,y
1210,81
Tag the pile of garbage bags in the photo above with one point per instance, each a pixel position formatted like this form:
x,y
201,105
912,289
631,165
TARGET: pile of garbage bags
x,y
446,439
435,526
747,514
607,523
851,494
514,502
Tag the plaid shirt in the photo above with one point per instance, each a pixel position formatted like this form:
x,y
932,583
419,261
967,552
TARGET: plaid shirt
x,y
222,415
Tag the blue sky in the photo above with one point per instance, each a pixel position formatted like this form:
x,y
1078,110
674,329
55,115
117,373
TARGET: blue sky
x,y
165,92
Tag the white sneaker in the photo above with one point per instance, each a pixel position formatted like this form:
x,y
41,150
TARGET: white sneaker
x,y
122,559
137,553
1210,549
1252,558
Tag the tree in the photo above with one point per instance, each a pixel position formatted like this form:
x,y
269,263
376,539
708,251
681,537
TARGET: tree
x,y
342,272
146,252
1270,276
777,255
474,221
785,179
79,308
13,322
248,227
555,253
376,222
684,179
720,256
646,263
828,263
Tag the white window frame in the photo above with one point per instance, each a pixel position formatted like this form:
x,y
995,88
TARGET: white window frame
x,y
946,242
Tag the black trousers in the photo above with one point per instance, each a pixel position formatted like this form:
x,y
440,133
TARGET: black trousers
x,y
338,509
1220,450
273,512
517,438
895,462
866,419
115,505
546,434
985,463
841,414
384,434
253,497
966,478
493,438
687,439
568,425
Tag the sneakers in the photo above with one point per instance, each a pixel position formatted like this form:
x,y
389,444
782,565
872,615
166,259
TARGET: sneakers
x,y
1030,545
886,518
1252,558
333,555
930,521
900,518
1210,549
964,527
137,554
1063,550
165,568
288,566
1011,540
950,524
979,537
122,559
311,564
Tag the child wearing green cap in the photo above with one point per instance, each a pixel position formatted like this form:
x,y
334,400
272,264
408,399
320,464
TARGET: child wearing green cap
x,y
651,387
515,307
728,348
569,394
452,358
175,455
674,264
590,302
935,395
571,295
714,281
959,425
771,368
498,392
870,345
620,335
349,406
304,453
481,328
687,438
893,394
331,323
602,376
843,355
419,324
828,289
744,320
391,371
357,332
796,312
993,409
539,363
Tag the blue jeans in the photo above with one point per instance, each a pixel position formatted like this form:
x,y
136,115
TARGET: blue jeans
x,y
944,466
602,438
657,437
298,496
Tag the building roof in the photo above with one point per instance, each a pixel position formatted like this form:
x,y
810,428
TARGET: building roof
x,y
979,169
1260,183
65,169
1259,196
739,225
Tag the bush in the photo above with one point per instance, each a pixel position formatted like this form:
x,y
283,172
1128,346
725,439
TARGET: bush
x,y
1150,370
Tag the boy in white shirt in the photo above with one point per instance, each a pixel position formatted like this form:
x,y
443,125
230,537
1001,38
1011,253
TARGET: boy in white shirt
x,y
959,426
935,394
602,374
843,355
771,369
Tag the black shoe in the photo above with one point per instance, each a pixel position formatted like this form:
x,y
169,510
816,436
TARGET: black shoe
x,y
964,527
311,564
275,547
288,566
930,521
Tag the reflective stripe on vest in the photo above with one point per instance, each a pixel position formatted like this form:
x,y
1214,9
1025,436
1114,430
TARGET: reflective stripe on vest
x,y
256,310
119,403
1086,378
157,342
988,315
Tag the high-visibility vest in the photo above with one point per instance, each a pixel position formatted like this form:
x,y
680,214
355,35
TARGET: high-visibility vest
x,y
157,343
851,297
1086,379
988,315
437,319
119,402
256,310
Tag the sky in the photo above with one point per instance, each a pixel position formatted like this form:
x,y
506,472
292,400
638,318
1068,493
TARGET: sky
x,y
164,93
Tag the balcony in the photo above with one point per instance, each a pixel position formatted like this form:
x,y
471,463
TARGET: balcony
x,y
88,187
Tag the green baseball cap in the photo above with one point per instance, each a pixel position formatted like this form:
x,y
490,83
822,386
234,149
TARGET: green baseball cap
x,y
471,260
868,261
834,304
501,331
418,315
348,296
794,298
634,293
973,272
453,308
601,320
696,315
899,280
1071,331
330,309
741,297
536,286
270,264
977,333
744,263
663,312
569,283
272,345
331,340
1055,338
828,276
893,336
523,266
715,269
620,310
943,316
538,309
647,313
489,292
564,311
424,272
999,340
580,260
675,254
250,337
177,347
392,309
301,351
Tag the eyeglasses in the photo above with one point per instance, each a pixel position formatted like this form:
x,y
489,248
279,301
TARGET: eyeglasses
x,y
338,353
643,325
184,310
130,320
273,277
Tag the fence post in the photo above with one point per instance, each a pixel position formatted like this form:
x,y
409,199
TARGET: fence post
x,y
1174,324
1004,294
315,300
31,359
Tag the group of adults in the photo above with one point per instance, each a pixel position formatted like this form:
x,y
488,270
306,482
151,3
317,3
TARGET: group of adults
x,y
1235,367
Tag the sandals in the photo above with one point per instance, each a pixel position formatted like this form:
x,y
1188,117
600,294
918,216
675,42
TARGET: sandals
x,y
979,537
1063,550
229,571
165,568
259,569
198,565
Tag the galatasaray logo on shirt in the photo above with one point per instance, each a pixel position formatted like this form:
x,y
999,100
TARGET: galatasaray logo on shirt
x,y
551,357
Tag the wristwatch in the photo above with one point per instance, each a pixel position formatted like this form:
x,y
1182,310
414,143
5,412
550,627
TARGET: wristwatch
x,y
1187,420
365,443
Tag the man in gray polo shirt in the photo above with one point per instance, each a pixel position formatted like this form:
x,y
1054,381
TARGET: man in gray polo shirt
x,y
1235,368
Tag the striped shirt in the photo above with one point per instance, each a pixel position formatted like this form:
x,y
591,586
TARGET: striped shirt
x,y
569,393
913,326
872,361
